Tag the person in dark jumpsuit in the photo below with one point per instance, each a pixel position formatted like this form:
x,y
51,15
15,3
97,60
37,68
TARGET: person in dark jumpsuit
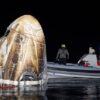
x,y
62,55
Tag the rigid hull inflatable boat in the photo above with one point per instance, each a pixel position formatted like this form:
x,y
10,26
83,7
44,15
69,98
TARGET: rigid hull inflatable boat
x,y
86,67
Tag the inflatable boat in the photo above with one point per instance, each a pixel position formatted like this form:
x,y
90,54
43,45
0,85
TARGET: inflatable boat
x,y
88,66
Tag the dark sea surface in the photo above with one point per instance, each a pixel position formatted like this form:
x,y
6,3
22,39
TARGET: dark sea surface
x,y
62,89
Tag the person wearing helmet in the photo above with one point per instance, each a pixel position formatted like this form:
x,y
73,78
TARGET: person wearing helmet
x,y
91,50
62,54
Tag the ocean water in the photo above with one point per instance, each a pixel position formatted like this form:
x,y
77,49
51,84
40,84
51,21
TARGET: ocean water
x,y
67,89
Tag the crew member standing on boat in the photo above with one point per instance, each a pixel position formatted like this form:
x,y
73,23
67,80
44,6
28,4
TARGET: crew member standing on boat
x,y
62,55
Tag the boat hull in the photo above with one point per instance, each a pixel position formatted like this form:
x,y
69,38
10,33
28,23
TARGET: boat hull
x,y
72,70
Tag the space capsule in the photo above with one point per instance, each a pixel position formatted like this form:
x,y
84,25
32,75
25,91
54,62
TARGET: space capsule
x,y
23,50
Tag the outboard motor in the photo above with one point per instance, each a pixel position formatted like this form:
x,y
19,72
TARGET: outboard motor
x,y
23,52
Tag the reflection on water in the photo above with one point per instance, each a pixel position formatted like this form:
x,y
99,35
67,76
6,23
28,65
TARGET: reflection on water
x,y
23,93
62,92
74,93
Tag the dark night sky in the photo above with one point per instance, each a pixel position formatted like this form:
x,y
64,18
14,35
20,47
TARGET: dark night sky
x,y
72,22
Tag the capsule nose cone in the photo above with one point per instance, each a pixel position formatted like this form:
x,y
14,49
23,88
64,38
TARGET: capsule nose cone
x,y
28,25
